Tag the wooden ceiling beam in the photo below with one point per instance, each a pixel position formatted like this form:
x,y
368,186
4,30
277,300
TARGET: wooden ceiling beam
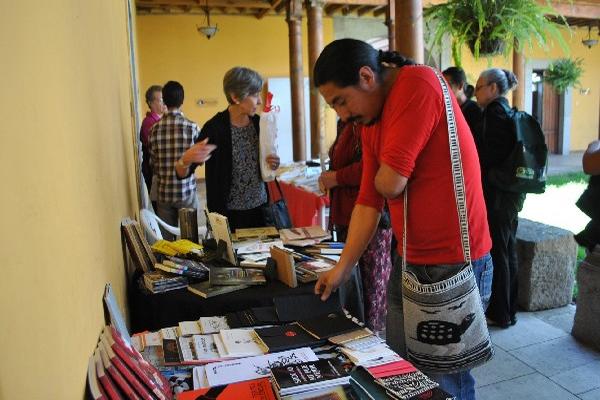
x,y
211,3
262,13
578,10
331,8
281,6
349,9
364,10
359,2
377,11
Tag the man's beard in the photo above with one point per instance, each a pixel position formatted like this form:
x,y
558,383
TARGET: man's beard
x,y
358,118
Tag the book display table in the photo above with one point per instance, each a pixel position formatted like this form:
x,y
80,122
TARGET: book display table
x,y
150,312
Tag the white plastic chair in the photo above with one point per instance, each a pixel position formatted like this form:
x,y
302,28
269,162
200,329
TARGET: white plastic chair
x,y
152,223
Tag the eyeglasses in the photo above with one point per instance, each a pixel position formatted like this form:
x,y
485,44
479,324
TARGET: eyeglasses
x,y
482,86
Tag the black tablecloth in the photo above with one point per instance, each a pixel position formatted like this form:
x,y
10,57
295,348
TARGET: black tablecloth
x,y
155,311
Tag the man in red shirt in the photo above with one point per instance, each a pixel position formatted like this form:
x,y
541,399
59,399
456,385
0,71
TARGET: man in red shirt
x,y
405,140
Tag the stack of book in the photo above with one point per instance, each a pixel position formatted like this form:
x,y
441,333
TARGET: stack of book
x,y
308,376
117,370
205,348
387,383
183,267
244,369
305,236
159,281
138,246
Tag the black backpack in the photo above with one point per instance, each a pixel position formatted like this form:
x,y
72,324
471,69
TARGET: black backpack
x,y
525,169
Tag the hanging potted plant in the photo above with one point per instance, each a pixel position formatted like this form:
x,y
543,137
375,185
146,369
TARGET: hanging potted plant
x,y
564,73
491,27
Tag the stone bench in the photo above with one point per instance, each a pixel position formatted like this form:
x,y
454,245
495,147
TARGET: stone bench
x,y
547,258
587,314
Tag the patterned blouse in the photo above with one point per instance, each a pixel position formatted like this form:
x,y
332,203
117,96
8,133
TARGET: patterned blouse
x,y
247,189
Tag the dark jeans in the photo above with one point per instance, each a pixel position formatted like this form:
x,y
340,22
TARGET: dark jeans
x,y
503,229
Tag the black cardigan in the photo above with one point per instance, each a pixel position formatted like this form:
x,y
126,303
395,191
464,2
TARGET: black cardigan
x,y
219,166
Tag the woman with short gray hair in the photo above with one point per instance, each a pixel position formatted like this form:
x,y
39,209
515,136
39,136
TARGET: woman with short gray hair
x,y
234,186
498,140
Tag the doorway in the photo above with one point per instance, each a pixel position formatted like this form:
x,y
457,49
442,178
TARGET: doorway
x,y
552,110
545,107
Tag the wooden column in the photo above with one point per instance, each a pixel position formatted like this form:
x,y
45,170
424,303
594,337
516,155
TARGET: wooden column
x,y
315,45
294,20
518,99
390,21
409,29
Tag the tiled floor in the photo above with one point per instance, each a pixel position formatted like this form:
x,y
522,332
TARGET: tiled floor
x,y
539,359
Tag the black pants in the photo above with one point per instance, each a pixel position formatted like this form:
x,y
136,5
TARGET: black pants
x,y
252,218
503,229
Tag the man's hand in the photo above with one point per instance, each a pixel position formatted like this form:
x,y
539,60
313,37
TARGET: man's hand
x,y
273,161
363,225
329,281
328,180
198,153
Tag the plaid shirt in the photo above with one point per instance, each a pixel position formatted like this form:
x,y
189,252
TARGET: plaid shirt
x,y
169,139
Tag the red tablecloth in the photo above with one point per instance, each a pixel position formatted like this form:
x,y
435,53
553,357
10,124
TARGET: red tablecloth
x,y
302,205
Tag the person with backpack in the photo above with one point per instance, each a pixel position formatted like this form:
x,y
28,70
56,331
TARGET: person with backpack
x,y
457,79
498,141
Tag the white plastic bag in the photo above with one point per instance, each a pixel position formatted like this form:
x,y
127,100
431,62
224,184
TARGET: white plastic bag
x,y
268,138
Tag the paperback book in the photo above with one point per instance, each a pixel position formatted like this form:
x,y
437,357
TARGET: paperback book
x,y
286,337
206,290
243,369
259,389
115,375
242,343
236,276
105,380
213,324
365,385
159,281
138,246
408,385
308,376
128,375
327,325
143,371
340,392
96,391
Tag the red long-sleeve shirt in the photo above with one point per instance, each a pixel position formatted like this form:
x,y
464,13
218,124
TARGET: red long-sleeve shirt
x,y
411,137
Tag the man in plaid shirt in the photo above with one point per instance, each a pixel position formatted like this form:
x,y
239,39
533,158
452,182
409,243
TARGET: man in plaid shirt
x,y
169,140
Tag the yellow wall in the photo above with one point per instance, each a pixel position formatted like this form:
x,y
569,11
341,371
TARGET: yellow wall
x,y
585,108
170,48
66,166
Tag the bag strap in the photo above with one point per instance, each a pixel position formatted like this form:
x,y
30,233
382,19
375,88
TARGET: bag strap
x,y
278,189
457,179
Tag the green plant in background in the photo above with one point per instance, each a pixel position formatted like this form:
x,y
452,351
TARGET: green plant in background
x,y
491,27
571,177
564,73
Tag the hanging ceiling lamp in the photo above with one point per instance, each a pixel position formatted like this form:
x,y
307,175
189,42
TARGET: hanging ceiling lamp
x,y
208,30
589,42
